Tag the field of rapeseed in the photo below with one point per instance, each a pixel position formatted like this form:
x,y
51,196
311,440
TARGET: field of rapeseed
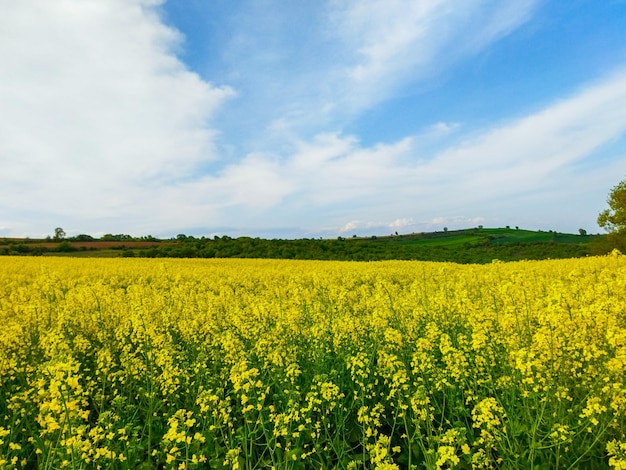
x,y
149,364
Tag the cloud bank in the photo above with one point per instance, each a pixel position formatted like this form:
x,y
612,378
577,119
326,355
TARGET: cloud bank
x,y
524,158
97,110
105,129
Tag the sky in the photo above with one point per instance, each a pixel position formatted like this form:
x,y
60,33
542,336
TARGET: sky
x,y
315,118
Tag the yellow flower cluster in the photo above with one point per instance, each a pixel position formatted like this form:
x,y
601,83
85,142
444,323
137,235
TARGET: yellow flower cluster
x,y
142,363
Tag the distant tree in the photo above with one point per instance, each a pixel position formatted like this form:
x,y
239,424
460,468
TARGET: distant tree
x,y
613,220
445,229
109,237
59,233
582,232
83,238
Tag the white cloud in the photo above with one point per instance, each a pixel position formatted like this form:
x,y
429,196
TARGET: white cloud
x,y
442,128
438,221
454,222
402,223
350,226
96,108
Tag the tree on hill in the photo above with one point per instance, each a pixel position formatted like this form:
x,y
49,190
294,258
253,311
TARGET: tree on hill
x,y
613,219
59,233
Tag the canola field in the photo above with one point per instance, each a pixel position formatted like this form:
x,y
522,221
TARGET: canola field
x,y
254,364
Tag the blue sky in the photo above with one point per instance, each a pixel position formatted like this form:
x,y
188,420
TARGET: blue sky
x,y
309,118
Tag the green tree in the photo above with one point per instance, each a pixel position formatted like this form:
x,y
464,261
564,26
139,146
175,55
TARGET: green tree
x,y
59,233
613,220
66,247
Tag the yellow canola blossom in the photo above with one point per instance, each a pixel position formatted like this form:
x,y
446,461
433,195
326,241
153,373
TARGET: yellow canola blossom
x,y
128,363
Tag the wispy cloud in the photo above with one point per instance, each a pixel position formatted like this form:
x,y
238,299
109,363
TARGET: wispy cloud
x,y
391,42
356,54
525,153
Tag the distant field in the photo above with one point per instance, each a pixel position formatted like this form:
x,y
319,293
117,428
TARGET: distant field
x,y
92,245
96,248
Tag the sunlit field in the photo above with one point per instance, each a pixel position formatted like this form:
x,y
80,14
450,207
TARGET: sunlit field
x,y
150,364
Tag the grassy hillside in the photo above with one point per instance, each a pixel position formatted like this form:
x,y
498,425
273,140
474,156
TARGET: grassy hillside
x,y
455,238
